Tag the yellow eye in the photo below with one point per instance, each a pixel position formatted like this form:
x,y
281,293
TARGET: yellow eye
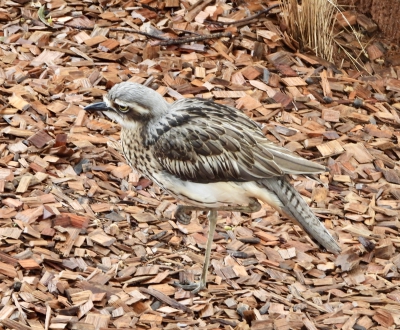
x,y
123,108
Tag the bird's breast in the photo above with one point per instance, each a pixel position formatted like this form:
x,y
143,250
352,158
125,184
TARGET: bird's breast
x,y
139,156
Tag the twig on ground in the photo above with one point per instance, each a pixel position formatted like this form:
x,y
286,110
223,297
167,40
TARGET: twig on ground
x,y
49,23
119,30
179,41
245,19
90,28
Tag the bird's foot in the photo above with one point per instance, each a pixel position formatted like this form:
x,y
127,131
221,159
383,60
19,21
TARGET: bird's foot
x,y
194,287
183,215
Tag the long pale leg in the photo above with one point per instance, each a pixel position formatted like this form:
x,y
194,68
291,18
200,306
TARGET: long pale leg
x,y
196,287
254,206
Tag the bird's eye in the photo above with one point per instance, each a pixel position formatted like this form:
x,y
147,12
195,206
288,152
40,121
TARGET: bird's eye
x,y
123,108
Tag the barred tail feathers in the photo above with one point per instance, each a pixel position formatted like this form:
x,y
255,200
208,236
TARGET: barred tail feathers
x,y
295,208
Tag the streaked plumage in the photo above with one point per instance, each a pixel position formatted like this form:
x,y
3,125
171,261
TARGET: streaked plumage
x,y
209,155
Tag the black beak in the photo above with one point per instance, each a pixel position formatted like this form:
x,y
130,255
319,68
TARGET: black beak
x,y
99,106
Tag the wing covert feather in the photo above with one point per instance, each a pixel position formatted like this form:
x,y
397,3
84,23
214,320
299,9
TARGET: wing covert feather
x,y
219,143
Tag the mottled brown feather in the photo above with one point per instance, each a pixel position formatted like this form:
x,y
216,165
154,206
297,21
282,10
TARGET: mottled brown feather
x,y
218,143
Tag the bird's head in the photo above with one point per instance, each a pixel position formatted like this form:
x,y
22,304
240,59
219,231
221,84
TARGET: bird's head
x,y
131,104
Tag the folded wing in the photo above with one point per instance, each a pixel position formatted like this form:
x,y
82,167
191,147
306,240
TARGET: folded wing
x,y
218,143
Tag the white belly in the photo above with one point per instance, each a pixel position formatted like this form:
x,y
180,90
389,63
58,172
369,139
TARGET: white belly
x,y
216,194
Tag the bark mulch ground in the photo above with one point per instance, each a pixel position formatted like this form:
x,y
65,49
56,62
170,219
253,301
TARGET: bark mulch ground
x,y
88,243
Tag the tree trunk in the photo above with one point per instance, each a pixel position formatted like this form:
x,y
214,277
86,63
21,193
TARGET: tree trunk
x,y
385,13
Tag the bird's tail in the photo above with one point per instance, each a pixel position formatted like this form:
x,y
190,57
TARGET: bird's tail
x,y
295,208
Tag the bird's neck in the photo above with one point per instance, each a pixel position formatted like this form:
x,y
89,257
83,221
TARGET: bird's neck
x,y
143,132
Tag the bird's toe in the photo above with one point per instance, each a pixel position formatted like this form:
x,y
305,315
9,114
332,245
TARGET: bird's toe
x,y
194,287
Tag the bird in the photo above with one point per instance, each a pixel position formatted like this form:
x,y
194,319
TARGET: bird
x,y
211,157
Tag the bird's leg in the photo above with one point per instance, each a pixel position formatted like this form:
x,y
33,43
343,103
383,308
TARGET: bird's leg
x,y
254,206
196,287
183,212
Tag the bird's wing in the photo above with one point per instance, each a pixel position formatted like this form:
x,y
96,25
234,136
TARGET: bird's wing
x,y
202,141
